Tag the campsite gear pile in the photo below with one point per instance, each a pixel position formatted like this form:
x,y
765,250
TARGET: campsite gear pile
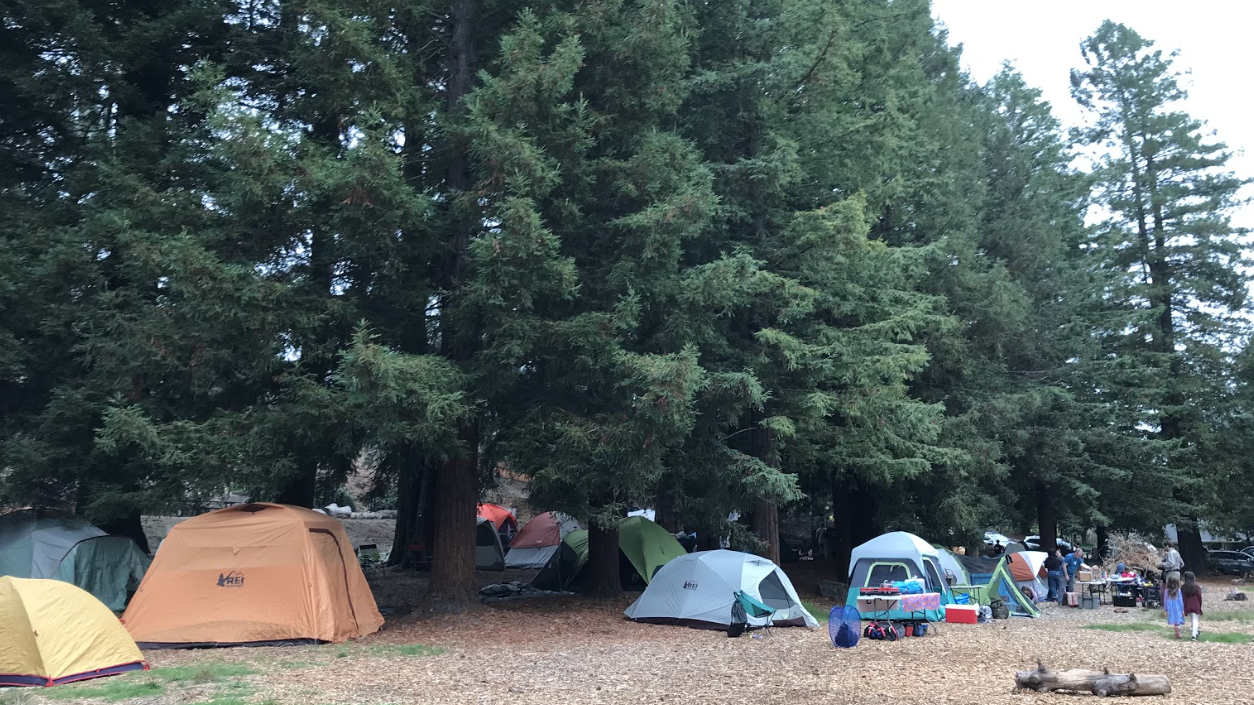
x,y
57,633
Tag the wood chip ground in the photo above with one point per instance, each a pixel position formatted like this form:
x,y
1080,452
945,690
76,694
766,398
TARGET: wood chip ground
x,y
583,651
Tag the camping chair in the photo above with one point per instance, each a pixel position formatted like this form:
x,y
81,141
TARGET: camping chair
x,y
979,594
755,608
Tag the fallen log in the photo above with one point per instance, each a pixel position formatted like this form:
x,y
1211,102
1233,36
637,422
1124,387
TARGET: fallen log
x,y
1100,683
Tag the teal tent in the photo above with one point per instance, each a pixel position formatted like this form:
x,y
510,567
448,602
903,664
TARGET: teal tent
x,y
48,544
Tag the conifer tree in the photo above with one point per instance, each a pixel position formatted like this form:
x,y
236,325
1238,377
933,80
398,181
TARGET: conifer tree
x,y
1177,266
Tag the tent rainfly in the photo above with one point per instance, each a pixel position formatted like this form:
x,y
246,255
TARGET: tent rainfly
x,y
489,554
57,633
643,547
1028,569
38,543
539,540
253,574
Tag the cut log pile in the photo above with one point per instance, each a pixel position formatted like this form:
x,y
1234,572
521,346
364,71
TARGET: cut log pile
x,y
1100,683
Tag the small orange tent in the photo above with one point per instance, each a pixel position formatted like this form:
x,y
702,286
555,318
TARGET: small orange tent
x,y
253,574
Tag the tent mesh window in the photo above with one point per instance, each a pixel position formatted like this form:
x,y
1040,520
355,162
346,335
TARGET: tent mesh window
x,y
773,594
886,573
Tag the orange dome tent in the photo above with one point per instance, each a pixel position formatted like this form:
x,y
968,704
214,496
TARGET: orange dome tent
x,y
253,574
502,518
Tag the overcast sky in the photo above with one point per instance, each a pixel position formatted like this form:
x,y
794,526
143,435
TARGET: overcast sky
x,y
1042,38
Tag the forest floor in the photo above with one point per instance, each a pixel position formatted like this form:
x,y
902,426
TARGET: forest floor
x,y
568,650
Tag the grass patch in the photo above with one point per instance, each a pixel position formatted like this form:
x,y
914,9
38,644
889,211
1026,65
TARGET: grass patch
x,y
205,673
1134,627
114,689
1241,615
16,696
1168,633
406,650
818,612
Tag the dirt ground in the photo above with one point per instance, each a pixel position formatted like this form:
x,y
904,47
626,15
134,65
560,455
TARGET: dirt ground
x,y
569,650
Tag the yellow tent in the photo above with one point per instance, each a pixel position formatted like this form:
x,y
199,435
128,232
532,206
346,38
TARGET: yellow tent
x,y
53,632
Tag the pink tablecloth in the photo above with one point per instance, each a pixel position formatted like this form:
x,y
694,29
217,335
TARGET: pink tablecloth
x,y
921,602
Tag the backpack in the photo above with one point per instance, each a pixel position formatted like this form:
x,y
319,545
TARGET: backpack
x,y
999,609
739,620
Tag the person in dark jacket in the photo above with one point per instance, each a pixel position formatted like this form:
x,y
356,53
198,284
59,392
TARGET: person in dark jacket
x,y
1054,567
1192,600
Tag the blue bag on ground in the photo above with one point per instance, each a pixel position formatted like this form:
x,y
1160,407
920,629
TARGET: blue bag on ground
x,y
844,626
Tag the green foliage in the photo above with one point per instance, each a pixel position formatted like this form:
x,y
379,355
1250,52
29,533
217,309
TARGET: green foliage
x,y
707,257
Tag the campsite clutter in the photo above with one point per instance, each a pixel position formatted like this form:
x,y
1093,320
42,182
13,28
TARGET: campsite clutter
x,y
55,633
38,543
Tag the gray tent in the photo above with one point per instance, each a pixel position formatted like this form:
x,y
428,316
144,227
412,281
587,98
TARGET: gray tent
x,y
489,555
698,589
37,543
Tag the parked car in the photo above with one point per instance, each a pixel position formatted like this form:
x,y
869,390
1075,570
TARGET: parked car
x,y
1033,543
992,538
1231,562
1249,551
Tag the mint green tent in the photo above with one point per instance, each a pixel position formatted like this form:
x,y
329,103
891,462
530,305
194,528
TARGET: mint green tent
x,y
49,544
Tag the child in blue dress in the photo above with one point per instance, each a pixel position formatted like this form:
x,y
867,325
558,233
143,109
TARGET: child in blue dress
x,y
1173,603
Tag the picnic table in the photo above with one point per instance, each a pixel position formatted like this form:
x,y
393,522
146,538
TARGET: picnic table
x,y
916,604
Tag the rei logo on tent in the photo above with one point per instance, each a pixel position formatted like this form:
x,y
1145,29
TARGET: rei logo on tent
x,y
690,585
231,579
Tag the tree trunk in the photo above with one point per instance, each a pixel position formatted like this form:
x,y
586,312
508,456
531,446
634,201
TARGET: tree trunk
x,y
664,505
765,510
131,526
1100,683
453,543
766,526
1191,548
1046,517
1103,543
840,541
299,490
409,485
603,576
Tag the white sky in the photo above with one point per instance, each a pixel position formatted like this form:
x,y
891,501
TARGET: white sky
x,y
1042,39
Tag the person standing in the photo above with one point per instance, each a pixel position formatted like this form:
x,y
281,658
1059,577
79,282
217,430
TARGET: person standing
x,y
1055,567
1074,561
1173,605
1192,593
1172,563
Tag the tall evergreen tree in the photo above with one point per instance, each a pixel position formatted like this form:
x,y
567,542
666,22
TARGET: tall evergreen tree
x,y
1179,272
